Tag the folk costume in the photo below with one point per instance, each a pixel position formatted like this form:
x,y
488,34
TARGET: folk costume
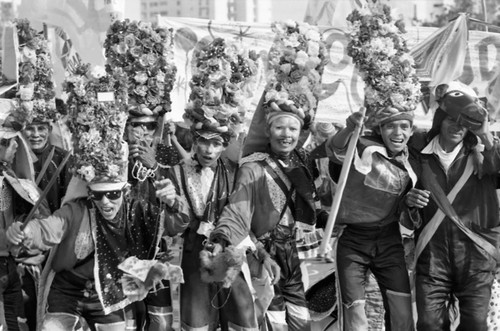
x,y
457,250
371,239
380,173
82,280
33,93
203,190
18,195
148,91
274,199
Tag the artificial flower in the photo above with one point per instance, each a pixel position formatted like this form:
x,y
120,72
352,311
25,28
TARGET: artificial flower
x,y
97,126
139,52
36,85
378,49
221,69
296,62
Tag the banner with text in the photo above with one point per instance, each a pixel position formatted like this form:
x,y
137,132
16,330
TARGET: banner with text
x,y
342,86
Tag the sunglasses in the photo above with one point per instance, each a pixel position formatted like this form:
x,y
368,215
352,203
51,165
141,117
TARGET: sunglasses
x,y
4,142
147,125
110,195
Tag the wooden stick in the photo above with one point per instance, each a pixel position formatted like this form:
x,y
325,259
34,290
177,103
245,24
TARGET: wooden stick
x,y
346,166
47,189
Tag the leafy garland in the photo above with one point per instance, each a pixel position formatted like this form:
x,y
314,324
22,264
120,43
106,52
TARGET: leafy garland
x,y
296,63
144,54
379,51
220,69
36,89
97,126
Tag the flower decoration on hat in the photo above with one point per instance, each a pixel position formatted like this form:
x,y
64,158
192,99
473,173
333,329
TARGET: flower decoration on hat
x,y
98,115
296,62
379,51
36,89
220,71
142,53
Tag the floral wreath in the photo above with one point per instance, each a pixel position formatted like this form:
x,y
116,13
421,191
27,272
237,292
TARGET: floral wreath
x,y
36,89
97,123
296,62
144,54
220,70
379,51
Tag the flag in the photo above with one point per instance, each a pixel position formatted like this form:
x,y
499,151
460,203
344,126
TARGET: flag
x,y
10,47
440,58
84,21
331,12
493,95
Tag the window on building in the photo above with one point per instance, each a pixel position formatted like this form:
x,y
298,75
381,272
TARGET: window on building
x,y
164,13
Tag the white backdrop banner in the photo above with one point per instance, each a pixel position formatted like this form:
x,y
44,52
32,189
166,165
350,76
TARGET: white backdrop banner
x,y
342,86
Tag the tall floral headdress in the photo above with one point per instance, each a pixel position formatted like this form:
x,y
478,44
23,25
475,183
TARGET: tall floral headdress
x,y
142,53
379,51
296,63
220,70
36,90
98,115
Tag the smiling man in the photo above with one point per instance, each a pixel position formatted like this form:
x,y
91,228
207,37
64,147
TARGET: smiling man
x,y
456,255
371,241
203,185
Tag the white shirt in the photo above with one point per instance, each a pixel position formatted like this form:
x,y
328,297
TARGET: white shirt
x,y
446,158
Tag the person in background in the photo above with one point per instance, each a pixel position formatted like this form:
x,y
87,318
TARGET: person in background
x,y
48,159
19,192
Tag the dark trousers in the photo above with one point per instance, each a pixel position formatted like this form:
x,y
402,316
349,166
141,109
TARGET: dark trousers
x,y
380,250
206,305
10,293
289,294
71,298
452,266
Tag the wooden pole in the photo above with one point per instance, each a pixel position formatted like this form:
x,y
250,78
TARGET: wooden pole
x,y
346,166
485,14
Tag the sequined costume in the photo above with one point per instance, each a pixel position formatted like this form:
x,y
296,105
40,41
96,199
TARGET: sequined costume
x,y
82,278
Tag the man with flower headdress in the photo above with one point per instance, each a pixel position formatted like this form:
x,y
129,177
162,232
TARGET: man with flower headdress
x,y
203,184
143,54
369,211
37,86
456,212
97,227
18,195
274,200
35,92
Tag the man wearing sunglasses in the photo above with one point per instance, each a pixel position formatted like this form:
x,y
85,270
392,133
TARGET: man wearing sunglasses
x,y
103,229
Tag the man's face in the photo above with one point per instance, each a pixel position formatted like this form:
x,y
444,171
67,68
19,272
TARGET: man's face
x,y
284,134
8,148
107,202
139,131
37,135
208,151
451,134
396,134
